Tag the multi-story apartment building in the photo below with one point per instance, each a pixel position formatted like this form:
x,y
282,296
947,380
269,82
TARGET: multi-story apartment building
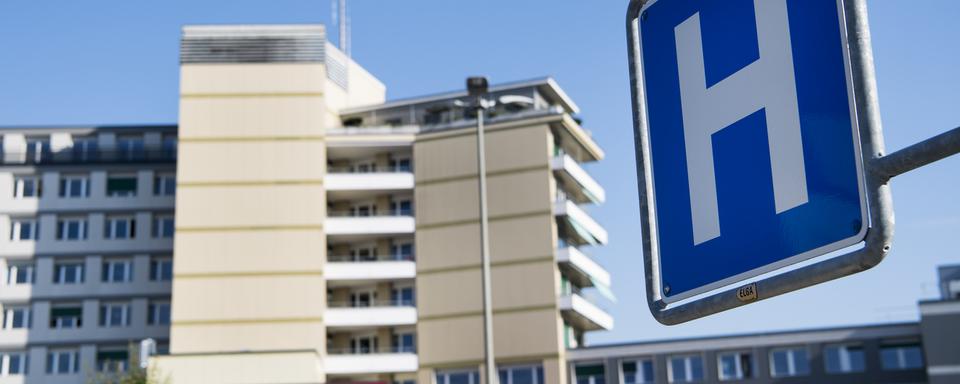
x,y
87,225
323,234
927,351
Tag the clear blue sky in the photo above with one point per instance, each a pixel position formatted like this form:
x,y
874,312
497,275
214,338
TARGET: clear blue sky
x,y
116,61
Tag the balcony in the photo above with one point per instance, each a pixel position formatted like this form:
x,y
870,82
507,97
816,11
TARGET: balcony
x,y
354,362
577,226
350,224
350,269
378,314
149,156
581,269
346,179
583,314
576,182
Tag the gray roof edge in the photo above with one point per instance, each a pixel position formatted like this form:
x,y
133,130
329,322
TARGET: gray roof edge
x,y
546,82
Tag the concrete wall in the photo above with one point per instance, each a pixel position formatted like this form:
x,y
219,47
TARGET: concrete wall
x,y
251,205
525,279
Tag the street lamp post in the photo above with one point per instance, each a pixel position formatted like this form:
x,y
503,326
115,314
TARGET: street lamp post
x,y
477,87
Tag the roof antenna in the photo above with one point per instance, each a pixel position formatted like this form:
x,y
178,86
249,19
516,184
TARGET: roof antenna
x,y
343,24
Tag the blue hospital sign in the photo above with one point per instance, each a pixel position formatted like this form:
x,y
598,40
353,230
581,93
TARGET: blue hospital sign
x,y
753,141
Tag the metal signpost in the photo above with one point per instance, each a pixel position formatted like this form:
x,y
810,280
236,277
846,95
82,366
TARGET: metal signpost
x,y
759,146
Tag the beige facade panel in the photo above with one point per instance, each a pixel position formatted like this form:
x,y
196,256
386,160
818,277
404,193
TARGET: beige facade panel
x,y
521,286
515,287
243,368
456,156
249,251
509,194
449,293
512,240
253,162
524,334
294,296
270,78
519,337
240,337
257,206
450,341
246,117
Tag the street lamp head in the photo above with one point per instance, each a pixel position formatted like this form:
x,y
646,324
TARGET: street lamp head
x,y
477,85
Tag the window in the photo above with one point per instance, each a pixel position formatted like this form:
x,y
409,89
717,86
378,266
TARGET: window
x,y
523,374
74,186
24,230
169,146
26,187
130,148
844,359
113,360
38,149
64,317
158,313
788,362
685,369
164,185
18,274
363,344
901,357
458,377
72,229
120,227
161,269
589,374
63,361
85,148
403,297
637,372
735,366
405,343
162,227
115,314
363,210
14,363
16,318
122,186
401,207
362,299
402,251
363,253
68,273
401,165
117,271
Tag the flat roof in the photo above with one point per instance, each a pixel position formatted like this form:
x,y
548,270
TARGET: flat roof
x,y
546,84
744,340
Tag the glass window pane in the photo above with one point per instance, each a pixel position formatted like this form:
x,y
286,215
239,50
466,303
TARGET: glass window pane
x,y
801,362
696,368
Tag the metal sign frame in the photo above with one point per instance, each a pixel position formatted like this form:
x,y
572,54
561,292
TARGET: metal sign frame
x,y
878,168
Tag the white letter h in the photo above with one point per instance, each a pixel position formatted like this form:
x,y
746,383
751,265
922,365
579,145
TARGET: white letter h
x,y
767,83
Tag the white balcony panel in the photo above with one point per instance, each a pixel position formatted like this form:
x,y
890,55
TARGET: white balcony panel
x,y
570,171
370,317
584,265
587,315
375,270
593,232
374,225
371,364
378,181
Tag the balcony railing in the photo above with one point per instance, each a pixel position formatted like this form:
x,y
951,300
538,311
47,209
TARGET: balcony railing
x,y
89,157
371,304
388,213
368,259
353,169
370,351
